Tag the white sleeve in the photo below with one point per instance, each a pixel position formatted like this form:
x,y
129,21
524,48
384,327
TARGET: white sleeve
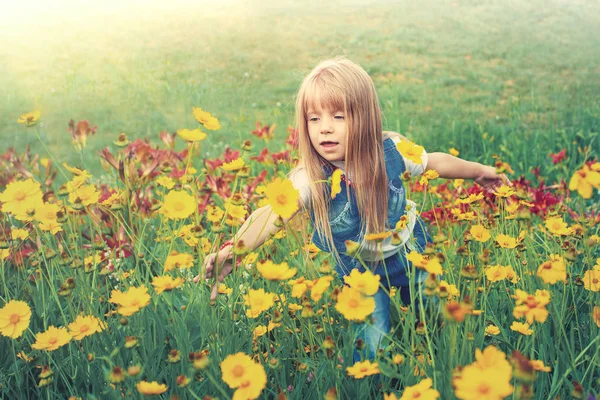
x,y
300,181
413,168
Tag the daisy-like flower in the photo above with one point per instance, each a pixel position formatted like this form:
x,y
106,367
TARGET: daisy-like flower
x,y
411,151
504,191
166,283
205,118
258,301
131,301
591,279
85,326
472,198
29,119
234,165
421,391
479,233
85,195
282,197
47,212
21,196
236,368
336,183
492,330
557,226
553,270
251,388
475,384
151,388
178,204
275,272
52,339
367,282
19,234
522,327
538,365
495,273
506,241
532,307
14,318
319,287
165,182
191,135
214,214
353,305
377,237
584,180
596,315
362,369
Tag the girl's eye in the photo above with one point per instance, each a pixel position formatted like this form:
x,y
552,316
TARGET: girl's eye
x,y
313,119
339,117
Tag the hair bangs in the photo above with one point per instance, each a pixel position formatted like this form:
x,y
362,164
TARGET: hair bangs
x,y
324,93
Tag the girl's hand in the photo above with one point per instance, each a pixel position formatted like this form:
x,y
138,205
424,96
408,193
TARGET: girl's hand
x,y
219,263
490,180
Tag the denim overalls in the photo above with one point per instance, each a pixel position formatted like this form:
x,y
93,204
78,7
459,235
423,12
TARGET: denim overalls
x,y
345,224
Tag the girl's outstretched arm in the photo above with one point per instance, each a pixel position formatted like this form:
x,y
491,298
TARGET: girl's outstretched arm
x,y
259,226
450,167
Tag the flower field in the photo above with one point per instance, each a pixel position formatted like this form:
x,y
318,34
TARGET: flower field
x,y
98,301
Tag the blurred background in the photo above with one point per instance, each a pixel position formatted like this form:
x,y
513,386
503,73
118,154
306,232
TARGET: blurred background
x,y
515,78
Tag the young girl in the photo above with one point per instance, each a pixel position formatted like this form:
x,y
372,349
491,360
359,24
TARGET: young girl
x,y
339,126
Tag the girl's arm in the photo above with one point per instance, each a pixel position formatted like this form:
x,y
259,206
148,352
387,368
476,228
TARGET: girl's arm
x,y
259,226
450,167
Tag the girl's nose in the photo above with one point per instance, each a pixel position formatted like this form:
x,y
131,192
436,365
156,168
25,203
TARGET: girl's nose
x,y
326,127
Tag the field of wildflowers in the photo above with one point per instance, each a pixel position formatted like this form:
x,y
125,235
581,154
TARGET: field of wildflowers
x,y
97,298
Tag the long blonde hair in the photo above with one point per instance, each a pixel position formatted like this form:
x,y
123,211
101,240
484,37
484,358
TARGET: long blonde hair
x,y
340,84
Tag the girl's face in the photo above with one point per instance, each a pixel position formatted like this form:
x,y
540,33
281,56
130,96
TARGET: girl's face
x,y
328,130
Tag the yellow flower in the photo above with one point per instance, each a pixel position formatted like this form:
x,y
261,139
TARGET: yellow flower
x,y
52,339
377,237
353,305
258,301
421,391
504,191
557,226
234,165
430,174
236,368
214,214
532,307
51,226
85,195
495,273
85,326
166,283
282,197
479,233
299,287
506,241
14,318
223,289
596,316
538,365
47,212
454,152
492,330
447,290
521,327
591,279
166,182
410,151
151,388
29,119
363,368
336,183
191,135
18,233
367,282
472,198
553,270
20,197
584,180
205,118
178,204
131,301
275,272
475,384
320,286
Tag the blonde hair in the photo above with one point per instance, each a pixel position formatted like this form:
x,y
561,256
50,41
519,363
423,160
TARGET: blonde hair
x,y
340,84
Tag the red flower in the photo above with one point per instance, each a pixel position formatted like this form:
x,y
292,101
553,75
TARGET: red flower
x,y
558,157
264,132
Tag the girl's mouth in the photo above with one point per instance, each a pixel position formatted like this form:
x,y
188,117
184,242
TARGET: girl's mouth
x,y
328,144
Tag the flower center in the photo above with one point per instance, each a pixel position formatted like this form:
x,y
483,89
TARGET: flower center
x,y
595,281
238,371
135,303
53,341
20,196
483,388
179,206
84,328
416,395
353,303
14,319
281,199
245,384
